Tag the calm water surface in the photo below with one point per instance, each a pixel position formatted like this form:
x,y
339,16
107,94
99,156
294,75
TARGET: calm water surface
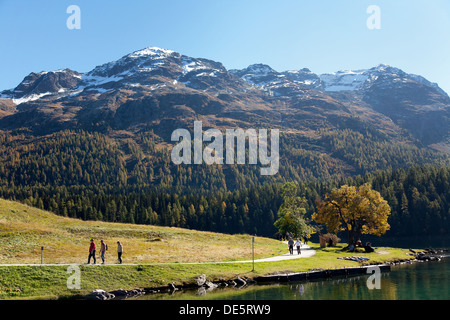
x,y
417,281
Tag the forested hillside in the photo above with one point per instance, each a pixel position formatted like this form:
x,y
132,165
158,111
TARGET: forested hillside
x,y
91,176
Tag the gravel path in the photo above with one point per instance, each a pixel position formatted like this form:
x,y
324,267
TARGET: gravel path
x,y
306,252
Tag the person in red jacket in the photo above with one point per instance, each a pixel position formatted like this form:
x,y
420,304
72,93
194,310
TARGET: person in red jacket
x,y
92,252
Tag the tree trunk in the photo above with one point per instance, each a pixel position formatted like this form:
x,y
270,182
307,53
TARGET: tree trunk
x,y
354,236
351,238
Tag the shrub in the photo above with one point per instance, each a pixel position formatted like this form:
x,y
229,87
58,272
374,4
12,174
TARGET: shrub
x,y
330,239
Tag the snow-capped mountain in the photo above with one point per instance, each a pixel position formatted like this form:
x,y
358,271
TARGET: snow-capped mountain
x,y
345,80
41,84
305,77
363,79
155,85
263,75
154,66
267,79
259,75
151,67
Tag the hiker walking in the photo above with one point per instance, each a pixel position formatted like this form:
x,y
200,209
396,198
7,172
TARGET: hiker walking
x,y
103,249
305,239
92,252
291,246
298,244
119,251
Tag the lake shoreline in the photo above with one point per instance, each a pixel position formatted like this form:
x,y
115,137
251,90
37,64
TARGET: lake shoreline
x,y
240,282
286,277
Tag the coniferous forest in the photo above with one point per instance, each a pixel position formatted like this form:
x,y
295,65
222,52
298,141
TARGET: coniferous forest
x,y
90,176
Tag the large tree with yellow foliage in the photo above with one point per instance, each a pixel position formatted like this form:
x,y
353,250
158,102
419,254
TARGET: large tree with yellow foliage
x,y
357,210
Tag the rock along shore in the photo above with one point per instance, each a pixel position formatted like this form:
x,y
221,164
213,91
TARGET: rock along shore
x,y
203,285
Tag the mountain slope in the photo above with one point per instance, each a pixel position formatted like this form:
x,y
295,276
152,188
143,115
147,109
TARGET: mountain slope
x,y
331,125
153,86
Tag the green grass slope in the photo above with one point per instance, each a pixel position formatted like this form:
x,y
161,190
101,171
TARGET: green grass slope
x,y
154,256
24,230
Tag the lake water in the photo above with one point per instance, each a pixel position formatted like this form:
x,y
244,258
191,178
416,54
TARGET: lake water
x,y
416,281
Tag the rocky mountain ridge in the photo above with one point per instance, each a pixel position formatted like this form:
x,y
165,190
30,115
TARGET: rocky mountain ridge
x,y
165,89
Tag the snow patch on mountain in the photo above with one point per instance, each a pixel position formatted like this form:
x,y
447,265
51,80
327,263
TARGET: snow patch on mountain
x,y
90,80
304,77
31,97
362,79
141,61
191,64
260,75
344,80
152,52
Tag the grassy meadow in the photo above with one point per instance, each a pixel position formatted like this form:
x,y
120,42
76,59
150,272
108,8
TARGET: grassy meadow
x,y
24,230
153,256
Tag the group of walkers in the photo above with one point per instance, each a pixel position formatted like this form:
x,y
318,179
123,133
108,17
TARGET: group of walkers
x,y
291,245
103,249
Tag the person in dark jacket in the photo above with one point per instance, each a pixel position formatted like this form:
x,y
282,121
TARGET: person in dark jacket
x,y
119,251
92,252
291,246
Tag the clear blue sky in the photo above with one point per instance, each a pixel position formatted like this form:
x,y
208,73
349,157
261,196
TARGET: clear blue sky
x,y
324,35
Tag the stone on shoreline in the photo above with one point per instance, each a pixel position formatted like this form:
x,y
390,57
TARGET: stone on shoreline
x,y
210,286
240,281
100,295
201,280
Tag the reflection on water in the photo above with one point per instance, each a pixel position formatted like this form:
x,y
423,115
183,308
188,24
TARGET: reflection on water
x,y
354,288
417,281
